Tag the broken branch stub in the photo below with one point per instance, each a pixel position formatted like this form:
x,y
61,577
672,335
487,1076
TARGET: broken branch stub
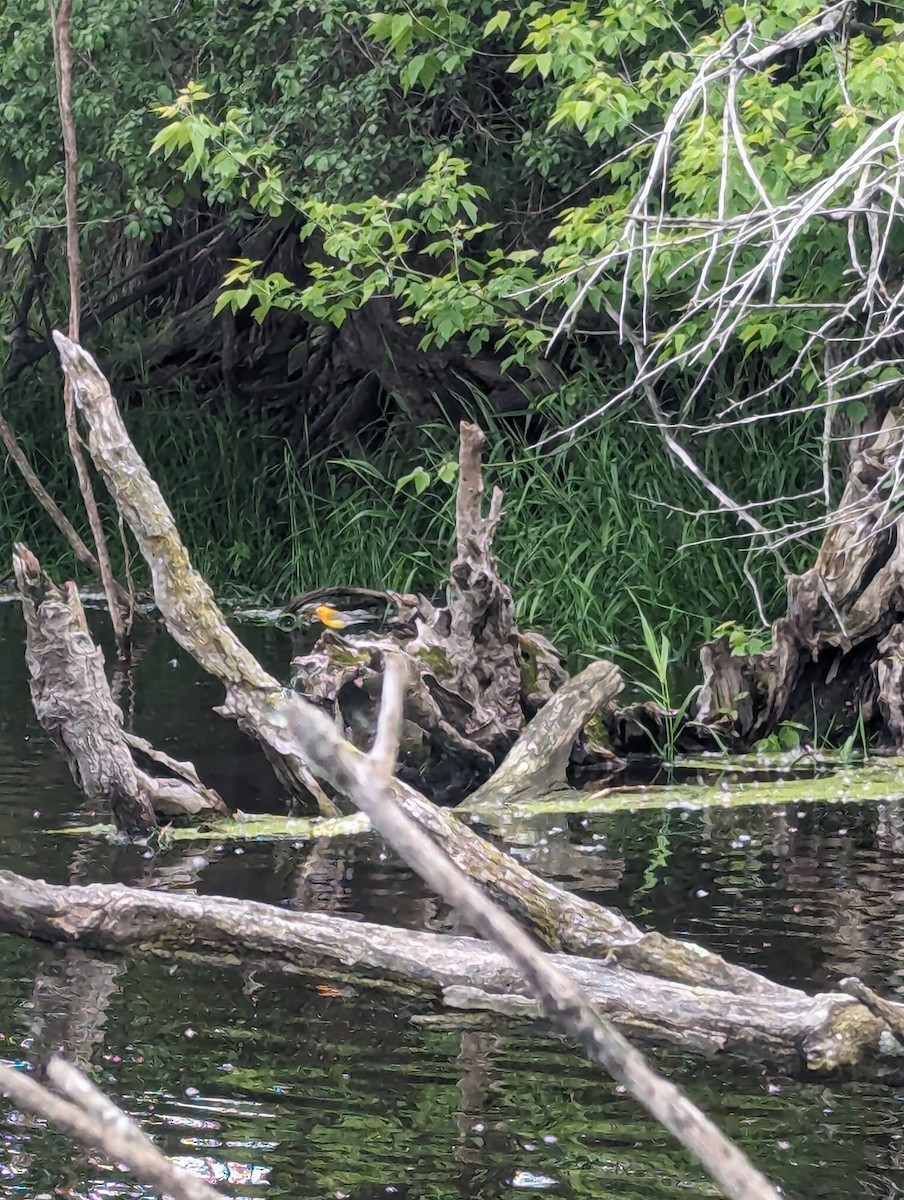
x,y
537,763
71,697
475,638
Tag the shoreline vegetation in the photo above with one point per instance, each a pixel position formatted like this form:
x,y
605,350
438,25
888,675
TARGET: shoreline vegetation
x,y
592,532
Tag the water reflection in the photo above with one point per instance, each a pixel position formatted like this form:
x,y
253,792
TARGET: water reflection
x,y
275,1088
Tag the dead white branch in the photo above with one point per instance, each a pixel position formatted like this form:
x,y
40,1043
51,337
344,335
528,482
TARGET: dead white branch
x,y
86,1115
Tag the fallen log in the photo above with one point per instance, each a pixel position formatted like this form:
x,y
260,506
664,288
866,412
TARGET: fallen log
x,y
786,1030
73,704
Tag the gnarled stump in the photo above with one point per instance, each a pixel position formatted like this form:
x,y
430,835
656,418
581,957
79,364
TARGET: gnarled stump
x,y
73,704
840,640
476,678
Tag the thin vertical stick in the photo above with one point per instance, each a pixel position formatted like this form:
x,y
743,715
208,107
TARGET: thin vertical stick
x,y
120,618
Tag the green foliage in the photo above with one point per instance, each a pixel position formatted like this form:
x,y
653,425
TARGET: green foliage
x,y
463,161
786,738
581,84
459,165
657,664
743,642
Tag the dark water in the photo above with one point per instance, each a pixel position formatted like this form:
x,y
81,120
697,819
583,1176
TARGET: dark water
x,y
275,1090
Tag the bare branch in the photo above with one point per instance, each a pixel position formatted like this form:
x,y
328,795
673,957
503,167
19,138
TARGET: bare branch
x,y
88,1116
389,723
120,617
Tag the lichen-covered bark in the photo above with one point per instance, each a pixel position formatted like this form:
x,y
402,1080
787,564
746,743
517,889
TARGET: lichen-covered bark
x,y
537,763
73,704
787,1030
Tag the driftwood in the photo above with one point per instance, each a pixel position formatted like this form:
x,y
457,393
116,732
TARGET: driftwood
x,y
73,704
86,1115
841,638
785,1030
303,734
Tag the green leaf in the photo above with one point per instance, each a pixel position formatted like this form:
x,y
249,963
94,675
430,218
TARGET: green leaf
x,y
856,412
297,358
544,63
497,22
419,477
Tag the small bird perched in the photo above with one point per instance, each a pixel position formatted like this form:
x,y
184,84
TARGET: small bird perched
x,y
333,618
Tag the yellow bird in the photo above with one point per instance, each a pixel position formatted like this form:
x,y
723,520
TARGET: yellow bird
x,y
331,617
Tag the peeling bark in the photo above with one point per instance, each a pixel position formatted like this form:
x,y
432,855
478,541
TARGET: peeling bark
x,y
73,704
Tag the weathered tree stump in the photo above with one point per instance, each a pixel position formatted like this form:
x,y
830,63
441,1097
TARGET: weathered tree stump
x,y
476,678
840,642
73,704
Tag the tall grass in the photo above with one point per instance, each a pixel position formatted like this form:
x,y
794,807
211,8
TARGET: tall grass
x,y
587,530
